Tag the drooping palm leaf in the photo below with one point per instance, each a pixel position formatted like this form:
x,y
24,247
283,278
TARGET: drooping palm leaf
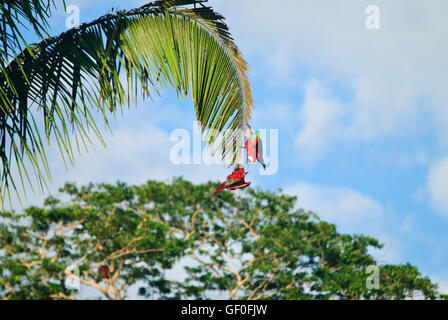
x,y
159,45
18,15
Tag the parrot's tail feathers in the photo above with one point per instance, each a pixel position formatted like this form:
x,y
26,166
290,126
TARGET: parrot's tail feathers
x,y
216,192
240,186
221,187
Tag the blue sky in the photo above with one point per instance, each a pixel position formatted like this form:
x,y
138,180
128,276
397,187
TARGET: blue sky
x,y
361,116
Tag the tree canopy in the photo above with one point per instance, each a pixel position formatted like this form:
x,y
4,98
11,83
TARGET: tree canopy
x,y
246,245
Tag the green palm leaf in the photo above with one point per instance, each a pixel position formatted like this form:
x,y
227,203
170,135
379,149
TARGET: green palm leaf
x,y
61,80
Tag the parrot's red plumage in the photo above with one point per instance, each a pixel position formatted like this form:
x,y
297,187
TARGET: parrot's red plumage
x,y
234,181
254,149
104,272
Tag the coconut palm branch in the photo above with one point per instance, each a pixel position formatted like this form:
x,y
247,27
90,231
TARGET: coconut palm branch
x,y
49,91
17,16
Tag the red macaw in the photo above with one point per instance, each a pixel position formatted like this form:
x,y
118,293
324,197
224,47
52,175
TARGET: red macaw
x,y
104,272
254,149
234,181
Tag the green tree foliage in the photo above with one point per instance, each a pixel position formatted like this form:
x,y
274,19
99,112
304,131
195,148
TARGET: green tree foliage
x,y
243,245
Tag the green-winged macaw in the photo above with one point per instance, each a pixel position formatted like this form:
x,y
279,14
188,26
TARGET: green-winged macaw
x,y
234,181
104,272
254,149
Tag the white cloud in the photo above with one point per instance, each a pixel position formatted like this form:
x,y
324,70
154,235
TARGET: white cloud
x,y
418,158
356,213
396,74
135,155
343,206
321,116
438,186
138,150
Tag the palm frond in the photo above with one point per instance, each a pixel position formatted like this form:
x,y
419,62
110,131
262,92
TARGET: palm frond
x,y
62,80
17,16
